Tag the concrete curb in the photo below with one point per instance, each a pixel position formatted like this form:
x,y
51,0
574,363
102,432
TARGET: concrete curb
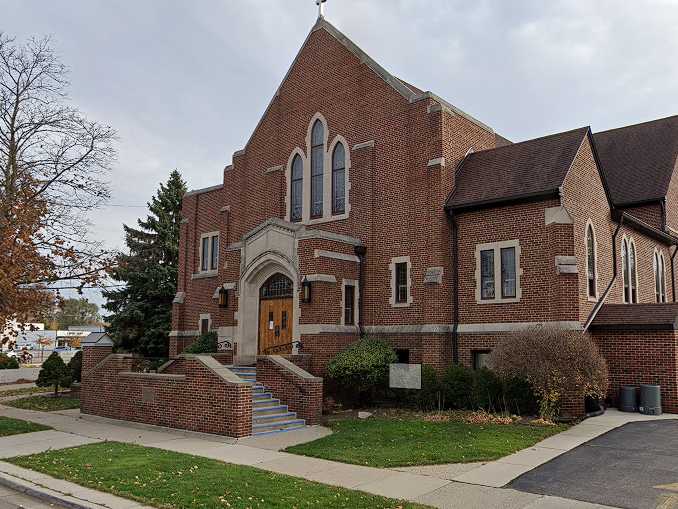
x,y
44,494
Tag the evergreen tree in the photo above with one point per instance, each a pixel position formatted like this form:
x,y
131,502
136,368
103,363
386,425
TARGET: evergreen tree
x,y
54,373
140,317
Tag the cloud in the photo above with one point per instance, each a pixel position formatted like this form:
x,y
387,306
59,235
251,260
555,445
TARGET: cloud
x,y
185,83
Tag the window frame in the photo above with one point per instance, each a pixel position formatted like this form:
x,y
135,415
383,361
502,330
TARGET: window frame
x,y
629,259
497,248
590,228
474,359
296,157
393,300
206,259
334,171
659,265
202,317
317,153
356,298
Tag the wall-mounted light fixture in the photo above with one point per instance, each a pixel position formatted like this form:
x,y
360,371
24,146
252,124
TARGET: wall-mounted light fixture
x,y
305,290
223,297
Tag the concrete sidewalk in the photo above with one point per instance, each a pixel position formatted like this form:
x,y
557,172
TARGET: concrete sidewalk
x,y
444,486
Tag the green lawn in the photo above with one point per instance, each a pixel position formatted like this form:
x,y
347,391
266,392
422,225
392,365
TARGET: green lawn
x,y
15,426
174,480
394,443
45,403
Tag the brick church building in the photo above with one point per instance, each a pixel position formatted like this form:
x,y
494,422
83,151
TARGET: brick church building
x,y
363,205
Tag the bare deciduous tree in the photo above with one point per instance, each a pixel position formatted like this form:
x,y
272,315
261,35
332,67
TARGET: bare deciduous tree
x,y
53,168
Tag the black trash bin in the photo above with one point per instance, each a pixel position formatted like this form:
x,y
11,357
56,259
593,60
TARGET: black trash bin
x,y
628,398
650,399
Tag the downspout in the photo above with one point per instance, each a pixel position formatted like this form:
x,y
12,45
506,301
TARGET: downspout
x,y
673,275
455,289
602,299
360,253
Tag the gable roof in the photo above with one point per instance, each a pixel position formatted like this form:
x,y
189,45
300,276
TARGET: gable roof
x,y
638,160
523,170
409,92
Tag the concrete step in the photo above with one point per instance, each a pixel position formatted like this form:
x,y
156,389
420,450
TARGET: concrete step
x,y
278,417
265,403
265,410
261,395
260,429
242,368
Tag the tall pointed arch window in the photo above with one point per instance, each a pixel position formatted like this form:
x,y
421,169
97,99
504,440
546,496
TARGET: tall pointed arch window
x,y
591,269
339,179
296,188
317,168
659,277
629,271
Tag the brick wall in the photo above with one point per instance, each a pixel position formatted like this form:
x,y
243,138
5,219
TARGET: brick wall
x,y
635,357
187,395
300,391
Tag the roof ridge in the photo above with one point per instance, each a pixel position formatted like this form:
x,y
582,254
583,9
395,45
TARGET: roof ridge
x,y
530,140
637,124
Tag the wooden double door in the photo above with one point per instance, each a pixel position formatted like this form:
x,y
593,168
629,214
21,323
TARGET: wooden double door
x,y
275,316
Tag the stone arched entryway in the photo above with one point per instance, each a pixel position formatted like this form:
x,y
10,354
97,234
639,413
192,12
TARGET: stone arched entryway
x,y
261,271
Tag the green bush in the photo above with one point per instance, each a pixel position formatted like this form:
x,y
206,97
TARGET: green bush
x,y
518,397
458,387
207,343
75,365
7,362
429,397
362,368
486,391
54,373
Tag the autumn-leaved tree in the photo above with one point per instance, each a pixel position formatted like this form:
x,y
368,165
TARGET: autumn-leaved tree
x,y
53,168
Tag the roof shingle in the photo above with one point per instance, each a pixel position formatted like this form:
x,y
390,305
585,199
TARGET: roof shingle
x,y
636,317
638,160
516,170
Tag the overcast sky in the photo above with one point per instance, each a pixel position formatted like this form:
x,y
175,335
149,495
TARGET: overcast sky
x,y
185,82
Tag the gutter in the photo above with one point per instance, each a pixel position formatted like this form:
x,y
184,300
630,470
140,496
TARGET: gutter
x,y
673,275
360,253
455,290
496,202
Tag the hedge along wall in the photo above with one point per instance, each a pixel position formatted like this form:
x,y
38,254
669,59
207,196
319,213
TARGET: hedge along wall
x,y
193,392
641,357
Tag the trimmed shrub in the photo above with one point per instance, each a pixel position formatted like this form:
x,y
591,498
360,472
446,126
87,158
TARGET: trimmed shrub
x,y
75,365
486,391
362,368
7,362
458,387
54,373
555,362
518,397
207,343
429,397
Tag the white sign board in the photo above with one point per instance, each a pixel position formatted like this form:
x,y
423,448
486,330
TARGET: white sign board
x,y
224,344
404,376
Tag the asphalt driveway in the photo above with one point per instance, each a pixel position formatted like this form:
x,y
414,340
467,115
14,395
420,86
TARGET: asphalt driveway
x,y
622,468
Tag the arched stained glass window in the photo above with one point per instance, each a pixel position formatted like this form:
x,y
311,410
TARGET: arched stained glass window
x,y
339,179
317,168
296,188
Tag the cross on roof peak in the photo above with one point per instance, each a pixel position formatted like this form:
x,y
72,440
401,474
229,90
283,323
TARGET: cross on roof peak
x,y
320,4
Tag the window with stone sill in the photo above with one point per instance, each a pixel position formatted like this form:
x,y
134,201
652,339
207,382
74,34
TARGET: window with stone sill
x,y
209,252
629,271
659,277
498,272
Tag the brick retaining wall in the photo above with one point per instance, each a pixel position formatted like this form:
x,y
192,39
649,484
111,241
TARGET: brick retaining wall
x,y
296,388
194,393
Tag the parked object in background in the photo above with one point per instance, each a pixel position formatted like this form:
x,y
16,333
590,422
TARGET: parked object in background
x,y
628,398
650,399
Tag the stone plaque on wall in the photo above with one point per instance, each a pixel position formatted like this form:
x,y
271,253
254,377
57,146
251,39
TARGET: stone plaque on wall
x,y
404,376
147,395
434,275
